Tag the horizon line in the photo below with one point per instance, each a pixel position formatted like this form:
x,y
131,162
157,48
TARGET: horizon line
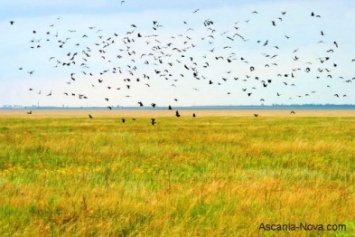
x,y
20,107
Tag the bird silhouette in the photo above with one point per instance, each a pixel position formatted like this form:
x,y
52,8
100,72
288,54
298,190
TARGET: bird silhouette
x,y
177,114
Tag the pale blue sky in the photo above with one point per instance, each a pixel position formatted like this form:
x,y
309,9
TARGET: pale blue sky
x,y
111,19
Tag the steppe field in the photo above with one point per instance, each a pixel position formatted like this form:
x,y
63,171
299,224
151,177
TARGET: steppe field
x,y
223,173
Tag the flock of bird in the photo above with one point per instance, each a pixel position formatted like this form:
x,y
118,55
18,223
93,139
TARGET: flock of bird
x,y
141,58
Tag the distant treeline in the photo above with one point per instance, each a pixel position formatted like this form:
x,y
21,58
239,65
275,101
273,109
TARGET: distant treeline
x,y
204,107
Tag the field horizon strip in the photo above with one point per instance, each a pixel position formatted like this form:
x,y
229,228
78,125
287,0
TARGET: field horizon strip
x,y
141,113
205,176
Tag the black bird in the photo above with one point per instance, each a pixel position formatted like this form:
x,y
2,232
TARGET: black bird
x,y
153,105
177,113
170,108
30,112
293,112
193,115
123,120
12,22
153,121
256,115
90,116
140,103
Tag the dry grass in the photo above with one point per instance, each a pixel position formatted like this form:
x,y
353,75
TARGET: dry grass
x,y
166,113
67,175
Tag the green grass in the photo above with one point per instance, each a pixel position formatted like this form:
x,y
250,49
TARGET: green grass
x,y
208,176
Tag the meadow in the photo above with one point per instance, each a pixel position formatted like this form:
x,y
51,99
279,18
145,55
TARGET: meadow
x,y
206,176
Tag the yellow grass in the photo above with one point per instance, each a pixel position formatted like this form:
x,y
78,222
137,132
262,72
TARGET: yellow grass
x,y
220,174
166,113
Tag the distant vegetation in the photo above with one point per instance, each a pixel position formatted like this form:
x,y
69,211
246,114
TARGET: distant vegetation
x,y
209,107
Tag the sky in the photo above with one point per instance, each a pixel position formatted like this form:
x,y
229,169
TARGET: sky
x,y
179,53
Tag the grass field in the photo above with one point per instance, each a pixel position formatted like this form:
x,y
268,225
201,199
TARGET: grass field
x,y
67,175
